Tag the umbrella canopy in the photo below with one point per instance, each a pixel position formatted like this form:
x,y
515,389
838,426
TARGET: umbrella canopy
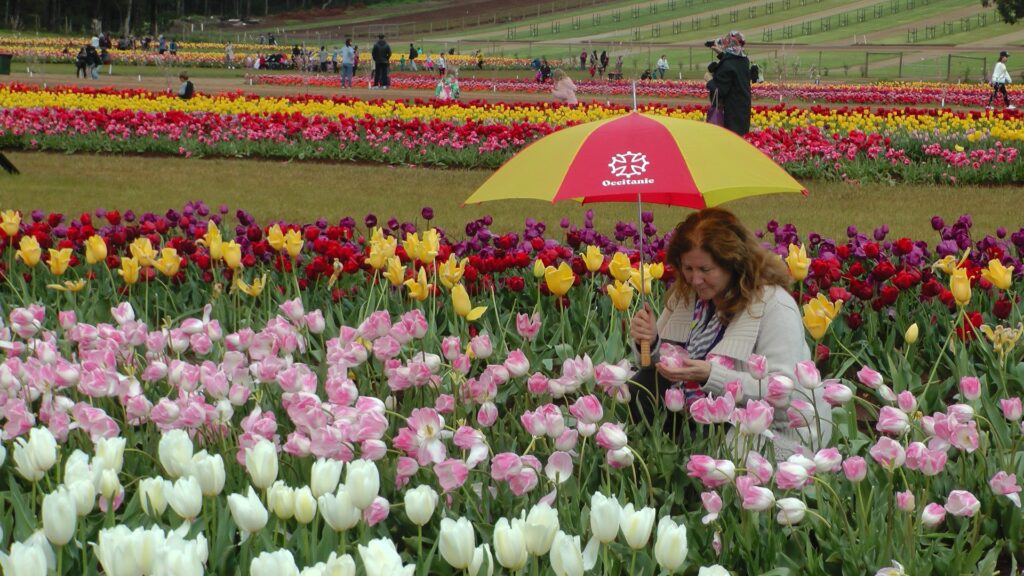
x,y
636,156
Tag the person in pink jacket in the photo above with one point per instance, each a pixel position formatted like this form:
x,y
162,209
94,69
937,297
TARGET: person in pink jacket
x,y
563,90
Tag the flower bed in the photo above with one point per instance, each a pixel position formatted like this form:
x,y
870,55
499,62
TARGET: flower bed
x,y
382,400
847,143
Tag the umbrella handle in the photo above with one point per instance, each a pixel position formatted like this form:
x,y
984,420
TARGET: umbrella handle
x,y
645,353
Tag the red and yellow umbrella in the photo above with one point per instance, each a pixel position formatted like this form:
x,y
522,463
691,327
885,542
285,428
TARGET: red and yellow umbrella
x,y
639,157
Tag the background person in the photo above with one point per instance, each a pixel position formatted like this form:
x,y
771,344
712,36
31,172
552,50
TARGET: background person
x,y
730,300
187,89
381,54
348,62
731,76
1000,78
564,90
662,67
448,87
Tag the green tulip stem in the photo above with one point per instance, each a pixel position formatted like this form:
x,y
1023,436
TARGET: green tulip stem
x,y
60,560
632,564
311,536
419,541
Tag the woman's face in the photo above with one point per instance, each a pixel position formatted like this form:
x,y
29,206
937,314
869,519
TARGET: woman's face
x,y
709,280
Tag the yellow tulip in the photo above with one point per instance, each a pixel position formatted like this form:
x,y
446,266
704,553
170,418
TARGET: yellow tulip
x,y
232,253
419,289
29,251
559,279
254,289
95,249
463,306
213,241
538,268
620,267
656,270
450,271
169,262
634,279
381,249
1003,338
59,260
1000,276
910,336
275,238
10,222
818,315
293,243
68,286
396,272
947,264
960,286
593,258
621,295
798,262
142,250
411,245
129,270
430,246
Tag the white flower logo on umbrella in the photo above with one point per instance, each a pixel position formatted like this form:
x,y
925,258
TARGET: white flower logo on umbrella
x,y
628,164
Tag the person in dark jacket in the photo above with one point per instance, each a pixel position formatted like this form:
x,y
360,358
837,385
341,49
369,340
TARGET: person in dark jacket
x,y
731,78
381,54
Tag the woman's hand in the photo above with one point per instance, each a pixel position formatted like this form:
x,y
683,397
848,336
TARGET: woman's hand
x,y
643,326
691,371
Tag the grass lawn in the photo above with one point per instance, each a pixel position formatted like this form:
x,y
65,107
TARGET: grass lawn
x,y
303,192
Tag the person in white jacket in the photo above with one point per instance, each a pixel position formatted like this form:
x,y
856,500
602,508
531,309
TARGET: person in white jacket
x,y
1000,78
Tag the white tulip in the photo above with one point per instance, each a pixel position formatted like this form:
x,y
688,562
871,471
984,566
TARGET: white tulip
x,y
670,547
77,467
261,462
281,500
109,454
117,552
715,570
197,550
175,452
278,563
59,515
84,493
363,482
342,565
637,525
481,555
420,503
324,477
540,529
380,558
110,485
146,546
566,556
604,517
35,456
791,511
510,544
456,542
154,501
248,513
209,470
305,505
186,498
338,510
24,560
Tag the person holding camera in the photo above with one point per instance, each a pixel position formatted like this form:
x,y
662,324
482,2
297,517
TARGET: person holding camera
x,y
730,79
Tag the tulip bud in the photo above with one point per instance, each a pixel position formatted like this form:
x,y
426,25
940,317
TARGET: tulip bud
x,y
566,555
540,528
510,544
151,491
277,563
209,471
791,511
324,476
59,516
338,510
305,505
636,525
261,463
604,517
281,500
248,513
363,482
110,485
34,457
910,336
933,515
456,542
420,503
670,546
175,452
185,498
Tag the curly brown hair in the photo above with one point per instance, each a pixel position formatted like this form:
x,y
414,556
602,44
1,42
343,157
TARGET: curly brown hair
x,y
719,233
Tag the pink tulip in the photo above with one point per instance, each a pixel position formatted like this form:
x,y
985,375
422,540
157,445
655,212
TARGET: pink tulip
x,y
298,445
962,503
621,458
481,346
754,497
523,482
528,326
415,323
377,511
790,476
587,409
713,504
905,501
559,467
757,365
567,440
462,364
855,468
505,465
1011,408
586,430
376,325
537,384
828,460
675,400
870,378
723,361
67,319
517,364
755,418
373,449
611,436
315,322
759,468
1004,484
932,515
672,356
892,421
712,473
906,402
801,414
779,390
386,347
965,436
293,310
451,347
405,469
487,415
807,375
961,413
888,453
970,388
451,474
837,394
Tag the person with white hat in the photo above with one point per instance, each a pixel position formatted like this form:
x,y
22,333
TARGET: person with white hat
x,y
1000,78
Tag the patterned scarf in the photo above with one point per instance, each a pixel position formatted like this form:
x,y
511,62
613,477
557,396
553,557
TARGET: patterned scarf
x,y
705,332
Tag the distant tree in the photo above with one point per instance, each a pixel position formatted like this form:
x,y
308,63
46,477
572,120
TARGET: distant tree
x,y
1009,10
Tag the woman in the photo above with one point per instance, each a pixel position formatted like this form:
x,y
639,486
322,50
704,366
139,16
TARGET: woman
x,y
563,90
448,87
732,80
1000,78
731,300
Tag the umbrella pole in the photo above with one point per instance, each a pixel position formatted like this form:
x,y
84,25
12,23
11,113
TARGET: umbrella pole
x,y
634,110
645,345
